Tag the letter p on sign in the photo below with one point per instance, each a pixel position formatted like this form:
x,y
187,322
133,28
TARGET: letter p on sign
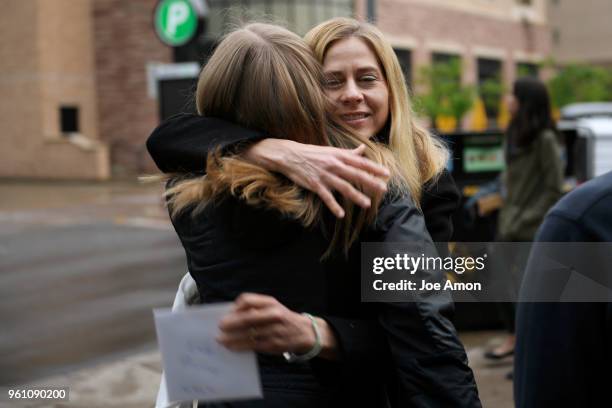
x,y
177,14
175,21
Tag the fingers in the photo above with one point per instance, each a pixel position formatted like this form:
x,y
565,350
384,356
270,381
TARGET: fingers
x,y
266,326
257,322
355,159
249,300
252,310
347,190
357,177
252,318
359,150
264,341
329,200
325,170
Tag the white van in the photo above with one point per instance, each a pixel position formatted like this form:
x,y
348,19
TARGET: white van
x,y
587,128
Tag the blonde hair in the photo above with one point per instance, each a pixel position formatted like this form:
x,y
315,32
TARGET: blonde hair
x,y
265,77
422,156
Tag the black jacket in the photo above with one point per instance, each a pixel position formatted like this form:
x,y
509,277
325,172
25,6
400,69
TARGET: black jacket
x,y
432,367
563,355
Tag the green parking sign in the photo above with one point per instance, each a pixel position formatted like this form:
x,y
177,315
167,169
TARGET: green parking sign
x,y
175,21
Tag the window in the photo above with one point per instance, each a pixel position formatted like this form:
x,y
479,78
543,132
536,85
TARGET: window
x,y
488,69
405,59
297,15
490,85
69,120
444,58
527,69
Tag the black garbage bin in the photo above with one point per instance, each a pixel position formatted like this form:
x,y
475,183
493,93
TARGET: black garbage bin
x,y
476,160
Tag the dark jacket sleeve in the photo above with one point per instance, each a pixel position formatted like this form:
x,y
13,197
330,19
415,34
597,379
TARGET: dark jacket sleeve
x,y
430,361
439,201
562,353
181,143
359,339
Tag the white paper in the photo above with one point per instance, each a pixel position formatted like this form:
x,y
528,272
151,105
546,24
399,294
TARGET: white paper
x,y
196,366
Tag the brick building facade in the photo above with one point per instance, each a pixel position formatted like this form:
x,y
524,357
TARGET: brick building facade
x,y
46,75
507,32
124,44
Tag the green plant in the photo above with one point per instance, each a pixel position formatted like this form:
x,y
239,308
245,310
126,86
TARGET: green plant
x,y
445,94
580,83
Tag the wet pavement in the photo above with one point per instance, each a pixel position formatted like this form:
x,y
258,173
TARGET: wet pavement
x,y
81,267
132,380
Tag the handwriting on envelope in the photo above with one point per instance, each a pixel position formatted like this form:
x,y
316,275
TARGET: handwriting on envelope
x,y
196,367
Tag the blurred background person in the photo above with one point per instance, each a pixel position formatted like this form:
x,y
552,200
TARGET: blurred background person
x,y
531,183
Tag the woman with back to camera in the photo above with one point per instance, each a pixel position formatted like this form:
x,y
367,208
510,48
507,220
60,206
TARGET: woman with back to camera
x,y
417,383
532,181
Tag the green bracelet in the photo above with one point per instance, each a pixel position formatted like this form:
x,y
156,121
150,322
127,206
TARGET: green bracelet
x,y
313,352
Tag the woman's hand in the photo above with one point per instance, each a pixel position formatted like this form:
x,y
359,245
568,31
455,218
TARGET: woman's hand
x,y
323,169
262,324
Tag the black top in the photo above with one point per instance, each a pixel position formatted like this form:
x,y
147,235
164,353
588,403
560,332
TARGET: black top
x,y
232,248
563,355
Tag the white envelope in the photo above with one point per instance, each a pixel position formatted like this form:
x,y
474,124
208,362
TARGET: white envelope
x,y
196,367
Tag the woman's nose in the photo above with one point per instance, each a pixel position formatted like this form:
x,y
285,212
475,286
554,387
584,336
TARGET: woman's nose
x,y
351,93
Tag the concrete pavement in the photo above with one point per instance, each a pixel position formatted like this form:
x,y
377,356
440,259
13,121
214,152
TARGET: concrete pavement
x,y
131,381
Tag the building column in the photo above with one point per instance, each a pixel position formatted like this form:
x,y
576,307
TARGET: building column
x,y
421,56
509,71
360,10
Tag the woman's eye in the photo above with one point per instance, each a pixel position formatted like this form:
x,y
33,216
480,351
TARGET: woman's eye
x,y
368,78
332,83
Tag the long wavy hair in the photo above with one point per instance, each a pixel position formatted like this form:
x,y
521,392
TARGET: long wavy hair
x,y
422,156
265,77
533,115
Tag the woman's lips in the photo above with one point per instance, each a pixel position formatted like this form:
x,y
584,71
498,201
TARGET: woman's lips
x,y
355,119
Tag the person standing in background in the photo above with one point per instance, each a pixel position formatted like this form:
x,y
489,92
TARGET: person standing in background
x,y
532,182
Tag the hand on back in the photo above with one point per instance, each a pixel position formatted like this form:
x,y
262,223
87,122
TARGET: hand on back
x,y
323,170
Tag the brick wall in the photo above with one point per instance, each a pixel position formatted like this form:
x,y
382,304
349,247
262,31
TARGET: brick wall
x,y
583,30
46,62
469,34
124,43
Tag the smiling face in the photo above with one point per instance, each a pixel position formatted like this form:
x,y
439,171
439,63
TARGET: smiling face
x,y
355,82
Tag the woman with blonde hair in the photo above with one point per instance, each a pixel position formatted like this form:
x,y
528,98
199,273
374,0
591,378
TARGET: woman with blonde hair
x,y
262,233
